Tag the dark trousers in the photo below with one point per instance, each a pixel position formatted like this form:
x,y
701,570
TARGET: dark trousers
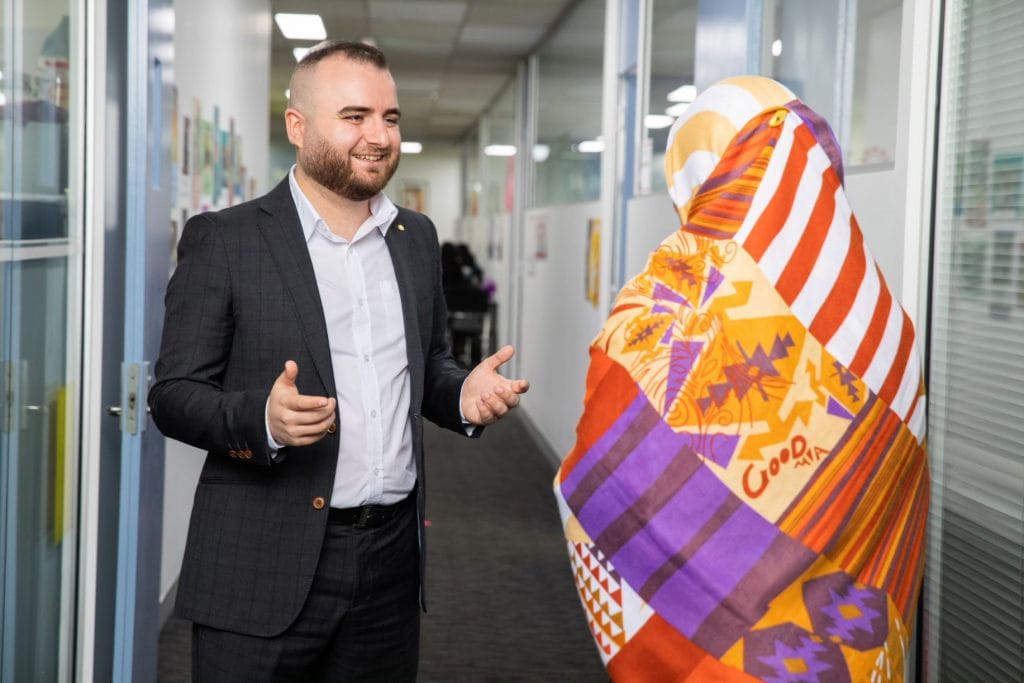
x,y
361,621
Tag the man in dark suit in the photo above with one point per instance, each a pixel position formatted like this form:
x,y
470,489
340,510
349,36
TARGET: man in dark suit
x,y
304,343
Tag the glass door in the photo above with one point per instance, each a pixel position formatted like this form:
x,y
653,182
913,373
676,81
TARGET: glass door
x,y
40,252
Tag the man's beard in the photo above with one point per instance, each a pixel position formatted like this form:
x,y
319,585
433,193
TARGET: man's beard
x,y
333,170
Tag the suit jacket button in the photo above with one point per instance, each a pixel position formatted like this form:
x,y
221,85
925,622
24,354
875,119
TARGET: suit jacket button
x,y
247,454
232,453
333,428
319,503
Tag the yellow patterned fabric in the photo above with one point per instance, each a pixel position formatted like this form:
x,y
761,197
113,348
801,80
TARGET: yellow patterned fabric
x,y
747,496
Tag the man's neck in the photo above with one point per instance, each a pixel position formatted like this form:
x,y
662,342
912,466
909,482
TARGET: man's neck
x,y
343,216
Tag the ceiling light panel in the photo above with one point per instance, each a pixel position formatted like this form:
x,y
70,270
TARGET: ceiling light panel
x,y
301,26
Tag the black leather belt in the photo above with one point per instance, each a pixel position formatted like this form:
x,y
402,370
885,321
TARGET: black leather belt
x,y
366,516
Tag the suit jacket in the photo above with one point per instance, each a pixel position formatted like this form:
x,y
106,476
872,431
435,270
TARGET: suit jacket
x,y
241,302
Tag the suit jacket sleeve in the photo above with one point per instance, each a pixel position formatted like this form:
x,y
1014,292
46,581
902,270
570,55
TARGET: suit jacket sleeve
x,y
188,401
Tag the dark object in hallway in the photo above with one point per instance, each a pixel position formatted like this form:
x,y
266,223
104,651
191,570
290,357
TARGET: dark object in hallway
x,y
467,300
501,600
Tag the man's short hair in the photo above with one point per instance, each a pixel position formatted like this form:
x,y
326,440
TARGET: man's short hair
x,y
357,52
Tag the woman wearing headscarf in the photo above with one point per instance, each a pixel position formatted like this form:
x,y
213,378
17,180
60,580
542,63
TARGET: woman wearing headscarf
x,y
747,496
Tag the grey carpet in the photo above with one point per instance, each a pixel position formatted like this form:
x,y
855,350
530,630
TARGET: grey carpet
x,y
502,607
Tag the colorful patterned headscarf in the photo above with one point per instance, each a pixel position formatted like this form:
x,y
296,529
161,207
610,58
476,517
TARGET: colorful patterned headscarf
x,y
747,496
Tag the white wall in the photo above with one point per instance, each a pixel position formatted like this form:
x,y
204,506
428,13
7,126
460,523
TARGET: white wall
x,y
439,170
651,219
222,57
558,322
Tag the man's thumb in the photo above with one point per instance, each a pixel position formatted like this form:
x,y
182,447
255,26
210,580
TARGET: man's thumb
x,y
291,371
501,356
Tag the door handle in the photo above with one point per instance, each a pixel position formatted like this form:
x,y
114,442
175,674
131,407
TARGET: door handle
x,y
114,411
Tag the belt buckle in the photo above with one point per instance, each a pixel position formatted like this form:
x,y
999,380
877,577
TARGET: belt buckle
x,y
364,516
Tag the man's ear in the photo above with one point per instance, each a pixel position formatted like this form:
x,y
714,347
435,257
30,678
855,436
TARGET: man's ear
x,y
295,126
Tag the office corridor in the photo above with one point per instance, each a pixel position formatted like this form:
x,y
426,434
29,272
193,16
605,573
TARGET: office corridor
x,y
502,605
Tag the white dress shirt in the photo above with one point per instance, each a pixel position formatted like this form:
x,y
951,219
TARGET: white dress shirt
x,y
366,332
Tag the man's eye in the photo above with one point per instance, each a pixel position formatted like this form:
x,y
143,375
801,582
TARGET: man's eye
x,y
354,117
391,122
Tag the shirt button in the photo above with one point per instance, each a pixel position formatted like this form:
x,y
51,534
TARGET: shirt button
x,y
373,413
377,471
319,503
366,357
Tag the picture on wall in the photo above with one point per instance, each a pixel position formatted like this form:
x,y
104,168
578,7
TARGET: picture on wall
x,y
970,196
1001,274
1008,184
970,265
592,284
1020,273
412,194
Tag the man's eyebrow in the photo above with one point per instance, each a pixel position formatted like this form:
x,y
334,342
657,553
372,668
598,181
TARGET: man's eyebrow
x,y
354,109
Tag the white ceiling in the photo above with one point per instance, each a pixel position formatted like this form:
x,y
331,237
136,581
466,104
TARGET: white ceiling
x,y
450,58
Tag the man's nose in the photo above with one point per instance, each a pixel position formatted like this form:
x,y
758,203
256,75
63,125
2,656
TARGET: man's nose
x,y
377,132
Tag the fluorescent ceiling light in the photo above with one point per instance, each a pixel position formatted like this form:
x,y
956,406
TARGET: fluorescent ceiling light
x,y
299,53
676,110
590,146
655,121
541,152
500,150
301,26
410,147
776,48
684,93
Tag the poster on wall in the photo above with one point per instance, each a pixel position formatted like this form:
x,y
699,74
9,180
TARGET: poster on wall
x,y
1001,274
494,240
1008,184
540,233
196,142
971,256
412,194
971,184
536,248
1020,274
592,277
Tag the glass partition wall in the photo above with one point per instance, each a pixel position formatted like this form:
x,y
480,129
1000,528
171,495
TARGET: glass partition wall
x,y
500,154
974,581
567,152
673,35
40,251
842,59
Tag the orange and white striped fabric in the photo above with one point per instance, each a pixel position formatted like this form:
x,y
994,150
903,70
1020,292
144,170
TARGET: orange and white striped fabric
x,y
747,496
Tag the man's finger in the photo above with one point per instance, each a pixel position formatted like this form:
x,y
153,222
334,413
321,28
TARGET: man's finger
x,y
303,402
485,414
316,429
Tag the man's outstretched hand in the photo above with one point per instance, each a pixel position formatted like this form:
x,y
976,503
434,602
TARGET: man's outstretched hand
x,y
486,395
295,419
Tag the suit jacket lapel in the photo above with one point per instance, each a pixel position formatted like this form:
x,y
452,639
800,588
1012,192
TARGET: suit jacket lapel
x,y
283,234
400,246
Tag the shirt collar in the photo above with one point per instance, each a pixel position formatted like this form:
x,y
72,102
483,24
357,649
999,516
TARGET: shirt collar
x,y
382,210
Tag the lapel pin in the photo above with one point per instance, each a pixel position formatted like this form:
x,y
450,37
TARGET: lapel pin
x,y
401,227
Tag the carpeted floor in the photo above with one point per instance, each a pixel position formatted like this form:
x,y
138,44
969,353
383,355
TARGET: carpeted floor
x,y
501,603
